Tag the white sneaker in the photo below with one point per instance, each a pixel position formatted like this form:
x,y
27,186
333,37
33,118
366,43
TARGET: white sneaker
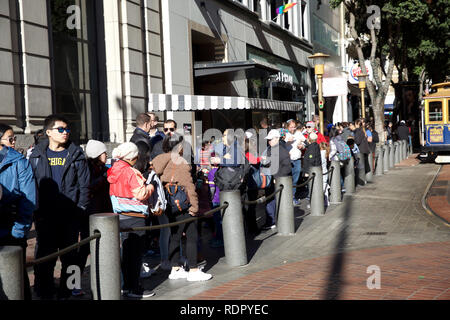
x,y
146,271
178,274
198,275
165,265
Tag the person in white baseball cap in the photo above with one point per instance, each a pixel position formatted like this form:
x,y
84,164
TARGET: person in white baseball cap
x,y
274,133
95,148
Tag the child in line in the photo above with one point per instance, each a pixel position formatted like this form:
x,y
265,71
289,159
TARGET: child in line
x,y
217,240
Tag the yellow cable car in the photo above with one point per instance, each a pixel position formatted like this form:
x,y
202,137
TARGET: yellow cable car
x,y
435,124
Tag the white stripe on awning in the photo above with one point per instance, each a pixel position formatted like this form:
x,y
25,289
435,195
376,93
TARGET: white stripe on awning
x,y
168,102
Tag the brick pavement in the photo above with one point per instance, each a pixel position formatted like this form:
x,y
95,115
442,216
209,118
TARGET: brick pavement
x,y
382,224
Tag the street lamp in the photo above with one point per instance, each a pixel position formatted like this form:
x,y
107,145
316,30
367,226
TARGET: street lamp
x,y
319,62
362,86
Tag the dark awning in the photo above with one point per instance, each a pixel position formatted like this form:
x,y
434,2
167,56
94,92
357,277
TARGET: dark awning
x,y
232,71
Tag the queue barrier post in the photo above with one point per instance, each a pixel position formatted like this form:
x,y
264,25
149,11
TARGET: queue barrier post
x,y
233,228
385,158
335,183
379,161
349,178
391,156
397,152
105,256
11,273
285,207
316,192
369,174
361,177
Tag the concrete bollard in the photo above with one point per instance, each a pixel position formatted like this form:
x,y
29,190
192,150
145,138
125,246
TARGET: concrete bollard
x,y
361,176
397,152
316,192
11,273
400,151
391,156
405,150
335,183
349,177
379,159
369,175
285,207
233,228
385,158
105,273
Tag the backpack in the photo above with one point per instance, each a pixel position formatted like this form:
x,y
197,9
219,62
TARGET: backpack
x,y
177,198
261,181
229,178
344,152
375,137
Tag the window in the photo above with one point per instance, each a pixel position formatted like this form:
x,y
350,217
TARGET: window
x,y
435,111
75,68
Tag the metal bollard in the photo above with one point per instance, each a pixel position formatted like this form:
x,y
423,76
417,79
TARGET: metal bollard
x,y
349,177
105,256
397,152
233,228
369,175
11,273
405,149
285,207
316,192
379,161
335,183
361,177
385,158
400,151
391,156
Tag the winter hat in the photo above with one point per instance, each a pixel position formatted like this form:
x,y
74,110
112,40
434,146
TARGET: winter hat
x,y
127,151
312,136
95,148
310,124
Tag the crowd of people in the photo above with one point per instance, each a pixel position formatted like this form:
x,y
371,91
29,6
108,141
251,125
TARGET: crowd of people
x,y
157,178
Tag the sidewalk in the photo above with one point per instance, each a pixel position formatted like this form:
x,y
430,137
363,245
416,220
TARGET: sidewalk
x,y
438,198
383,224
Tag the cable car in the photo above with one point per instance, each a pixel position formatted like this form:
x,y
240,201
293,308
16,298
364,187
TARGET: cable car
x,y
435,124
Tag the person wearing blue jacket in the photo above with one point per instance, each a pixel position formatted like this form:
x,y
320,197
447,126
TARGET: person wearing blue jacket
x,y
63,180
18,200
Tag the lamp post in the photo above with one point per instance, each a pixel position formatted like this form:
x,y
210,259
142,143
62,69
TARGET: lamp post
x,y
319,62
362,86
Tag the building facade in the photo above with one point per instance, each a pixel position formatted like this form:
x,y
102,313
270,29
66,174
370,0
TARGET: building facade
x,y
220,63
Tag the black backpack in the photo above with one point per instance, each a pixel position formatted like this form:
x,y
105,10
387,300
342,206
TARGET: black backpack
x,y
230,178
177,199
375,137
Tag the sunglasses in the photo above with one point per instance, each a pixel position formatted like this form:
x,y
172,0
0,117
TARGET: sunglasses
x,y
11,139
167,129
61,129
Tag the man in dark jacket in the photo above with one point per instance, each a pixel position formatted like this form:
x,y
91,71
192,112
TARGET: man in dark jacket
x,y
142,140
62,177
403,131
276,162
361,141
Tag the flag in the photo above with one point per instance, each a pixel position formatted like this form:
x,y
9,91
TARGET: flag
x,y
285,8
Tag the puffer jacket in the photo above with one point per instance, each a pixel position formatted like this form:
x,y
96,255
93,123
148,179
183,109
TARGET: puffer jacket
x,y
127,188
19,195
168,165
73,197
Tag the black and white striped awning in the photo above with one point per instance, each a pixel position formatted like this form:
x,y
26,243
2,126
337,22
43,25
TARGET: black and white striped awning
x,y
175,102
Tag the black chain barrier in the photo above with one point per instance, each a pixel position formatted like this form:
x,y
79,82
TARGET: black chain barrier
x,y
306,182
205,215
63,251
263,199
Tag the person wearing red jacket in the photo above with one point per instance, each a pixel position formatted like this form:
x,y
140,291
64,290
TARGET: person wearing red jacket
x,y
311,127
129,195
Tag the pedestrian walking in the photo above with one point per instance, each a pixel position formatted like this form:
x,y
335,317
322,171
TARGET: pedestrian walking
x,y
17,199
63,179
182,203
129,194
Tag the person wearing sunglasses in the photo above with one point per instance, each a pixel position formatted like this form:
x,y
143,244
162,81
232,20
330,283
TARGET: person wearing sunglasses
x,y
63,180
8,138
18,199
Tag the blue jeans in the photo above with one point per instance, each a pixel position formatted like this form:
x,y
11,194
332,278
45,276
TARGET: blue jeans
x,y
296,170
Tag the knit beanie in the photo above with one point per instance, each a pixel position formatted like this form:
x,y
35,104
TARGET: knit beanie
x,y
127,151
94,148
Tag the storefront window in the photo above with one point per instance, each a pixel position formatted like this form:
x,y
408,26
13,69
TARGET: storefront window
x,y
75,66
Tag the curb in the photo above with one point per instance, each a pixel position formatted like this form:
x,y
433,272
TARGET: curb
x,y
424,201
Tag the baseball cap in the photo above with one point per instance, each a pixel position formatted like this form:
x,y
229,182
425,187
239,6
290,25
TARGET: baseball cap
x,y
310,124
402,122
274,133
95,148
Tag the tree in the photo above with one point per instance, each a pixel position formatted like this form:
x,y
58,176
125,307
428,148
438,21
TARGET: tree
x,y
408,34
